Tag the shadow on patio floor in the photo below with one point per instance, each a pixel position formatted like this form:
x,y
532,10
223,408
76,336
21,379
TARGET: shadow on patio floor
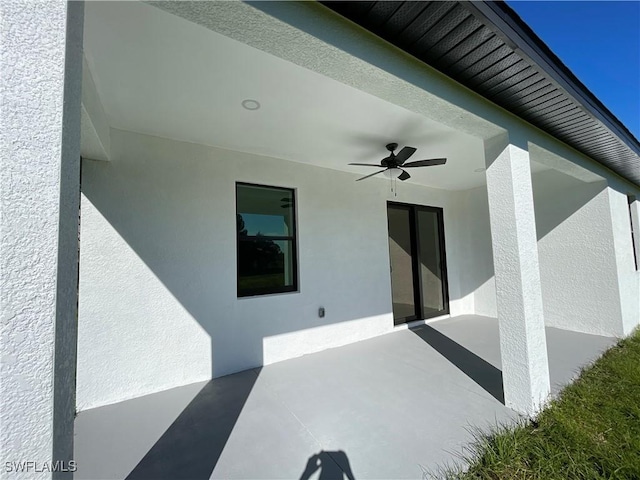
x,y
332,466
473,366
192,445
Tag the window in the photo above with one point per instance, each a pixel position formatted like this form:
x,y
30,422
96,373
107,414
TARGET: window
x,y
266,248
630,200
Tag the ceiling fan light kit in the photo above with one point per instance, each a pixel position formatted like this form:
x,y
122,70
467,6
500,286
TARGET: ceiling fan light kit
x,y
393,173
394,165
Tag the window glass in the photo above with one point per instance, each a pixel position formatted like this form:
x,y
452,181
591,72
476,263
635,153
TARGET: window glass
x,y
429,235
266,250
631,199
266,211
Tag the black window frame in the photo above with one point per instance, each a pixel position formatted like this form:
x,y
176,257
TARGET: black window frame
x,y
292,238
630,200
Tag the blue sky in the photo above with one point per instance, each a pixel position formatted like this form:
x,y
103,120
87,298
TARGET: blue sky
x,y
600,42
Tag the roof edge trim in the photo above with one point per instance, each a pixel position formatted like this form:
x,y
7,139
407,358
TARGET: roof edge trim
x,y
517,34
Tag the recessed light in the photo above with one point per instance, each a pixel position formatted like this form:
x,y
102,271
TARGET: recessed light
x,y
478,170
250,104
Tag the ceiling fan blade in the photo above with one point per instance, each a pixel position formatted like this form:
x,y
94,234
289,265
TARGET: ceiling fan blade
x,y
404,176
371,175
426,163
367,164
403,155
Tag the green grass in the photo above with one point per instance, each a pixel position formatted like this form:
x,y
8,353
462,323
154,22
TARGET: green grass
x,y
591,431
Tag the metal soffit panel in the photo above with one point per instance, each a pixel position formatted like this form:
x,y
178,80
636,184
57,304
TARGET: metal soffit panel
x,y
488,48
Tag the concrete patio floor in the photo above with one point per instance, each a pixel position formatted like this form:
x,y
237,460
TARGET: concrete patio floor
x,y
381,408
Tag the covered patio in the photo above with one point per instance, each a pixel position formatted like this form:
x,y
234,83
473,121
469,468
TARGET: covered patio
x,y
151,117
393,406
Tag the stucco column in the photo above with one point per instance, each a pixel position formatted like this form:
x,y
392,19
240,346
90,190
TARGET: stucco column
x,y
525,370
40,135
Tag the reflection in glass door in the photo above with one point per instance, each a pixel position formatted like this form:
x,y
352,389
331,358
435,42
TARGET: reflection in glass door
x,y
402,264
418,264
430,260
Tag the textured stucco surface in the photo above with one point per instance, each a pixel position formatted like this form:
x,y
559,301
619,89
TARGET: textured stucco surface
x,y
635,222
517,277
580,288
477,277
66,328
577,256
39,177
627,276
158,304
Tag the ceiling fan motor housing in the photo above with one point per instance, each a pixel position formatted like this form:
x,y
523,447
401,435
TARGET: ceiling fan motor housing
x,y
390,161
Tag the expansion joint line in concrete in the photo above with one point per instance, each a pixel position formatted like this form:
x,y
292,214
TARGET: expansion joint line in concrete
x,y
286,407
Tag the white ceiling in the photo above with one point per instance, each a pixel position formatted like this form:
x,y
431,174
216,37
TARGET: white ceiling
x,y
162,75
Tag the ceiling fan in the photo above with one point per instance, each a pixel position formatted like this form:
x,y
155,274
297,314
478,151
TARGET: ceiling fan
x,y
394,165
287,202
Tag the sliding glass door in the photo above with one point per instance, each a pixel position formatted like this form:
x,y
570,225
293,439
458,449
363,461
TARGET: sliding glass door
x,y
401,254
418,264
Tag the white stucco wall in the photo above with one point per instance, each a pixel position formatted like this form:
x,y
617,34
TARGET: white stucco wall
x,y
577,248
158,304
477,275
576,253
40,90
635,221
627,276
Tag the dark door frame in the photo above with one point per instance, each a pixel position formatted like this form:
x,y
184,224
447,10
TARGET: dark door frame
x,y
416,255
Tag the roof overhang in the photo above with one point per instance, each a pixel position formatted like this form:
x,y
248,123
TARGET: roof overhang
x,y
489,49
